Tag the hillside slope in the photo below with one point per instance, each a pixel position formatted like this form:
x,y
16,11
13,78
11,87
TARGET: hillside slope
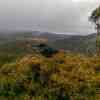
x,y
60,77
83,44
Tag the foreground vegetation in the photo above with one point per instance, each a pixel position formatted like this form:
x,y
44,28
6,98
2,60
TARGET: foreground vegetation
x,y
62,76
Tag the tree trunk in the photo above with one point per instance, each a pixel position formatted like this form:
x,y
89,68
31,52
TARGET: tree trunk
x,y
98,40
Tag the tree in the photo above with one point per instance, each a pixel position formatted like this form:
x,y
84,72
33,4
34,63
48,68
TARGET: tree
x,y
95,18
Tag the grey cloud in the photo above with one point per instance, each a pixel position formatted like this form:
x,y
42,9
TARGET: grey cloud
x,y
47,15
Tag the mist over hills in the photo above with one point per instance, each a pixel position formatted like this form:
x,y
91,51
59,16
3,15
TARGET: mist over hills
x,y
73,43
76,43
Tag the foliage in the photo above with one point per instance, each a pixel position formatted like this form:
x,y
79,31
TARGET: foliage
x,y
95,15
60,77
95,18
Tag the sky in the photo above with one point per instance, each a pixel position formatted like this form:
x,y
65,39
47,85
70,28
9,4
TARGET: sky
x,y
61,16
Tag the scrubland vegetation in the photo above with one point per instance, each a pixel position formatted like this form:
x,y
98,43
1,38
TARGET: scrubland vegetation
x,y
62,76
30,70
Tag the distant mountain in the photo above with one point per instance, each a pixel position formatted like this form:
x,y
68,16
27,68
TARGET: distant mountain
x,y
74,43
77,43
50,36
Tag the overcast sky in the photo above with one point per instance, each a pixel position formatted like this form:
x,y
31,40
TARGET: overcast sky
x,y
61,16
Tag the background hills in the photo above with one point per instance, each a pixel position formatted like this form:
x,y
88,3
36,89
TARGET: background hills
x,y
73,43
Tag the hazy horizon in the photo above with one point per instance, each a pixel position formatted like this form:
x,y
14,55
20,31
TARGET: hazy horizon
x,y
60,16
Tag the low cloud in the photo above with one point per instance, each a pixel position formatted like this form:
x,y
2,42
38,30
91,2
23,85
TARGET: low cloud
x,y
62,16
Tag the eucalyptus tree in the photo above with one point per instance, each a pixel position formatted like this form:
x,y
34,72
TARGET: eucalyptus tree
x,y
95,18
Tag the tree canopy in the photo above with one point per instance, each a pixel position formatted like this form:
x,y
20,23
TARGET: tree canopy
x,y
95,15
